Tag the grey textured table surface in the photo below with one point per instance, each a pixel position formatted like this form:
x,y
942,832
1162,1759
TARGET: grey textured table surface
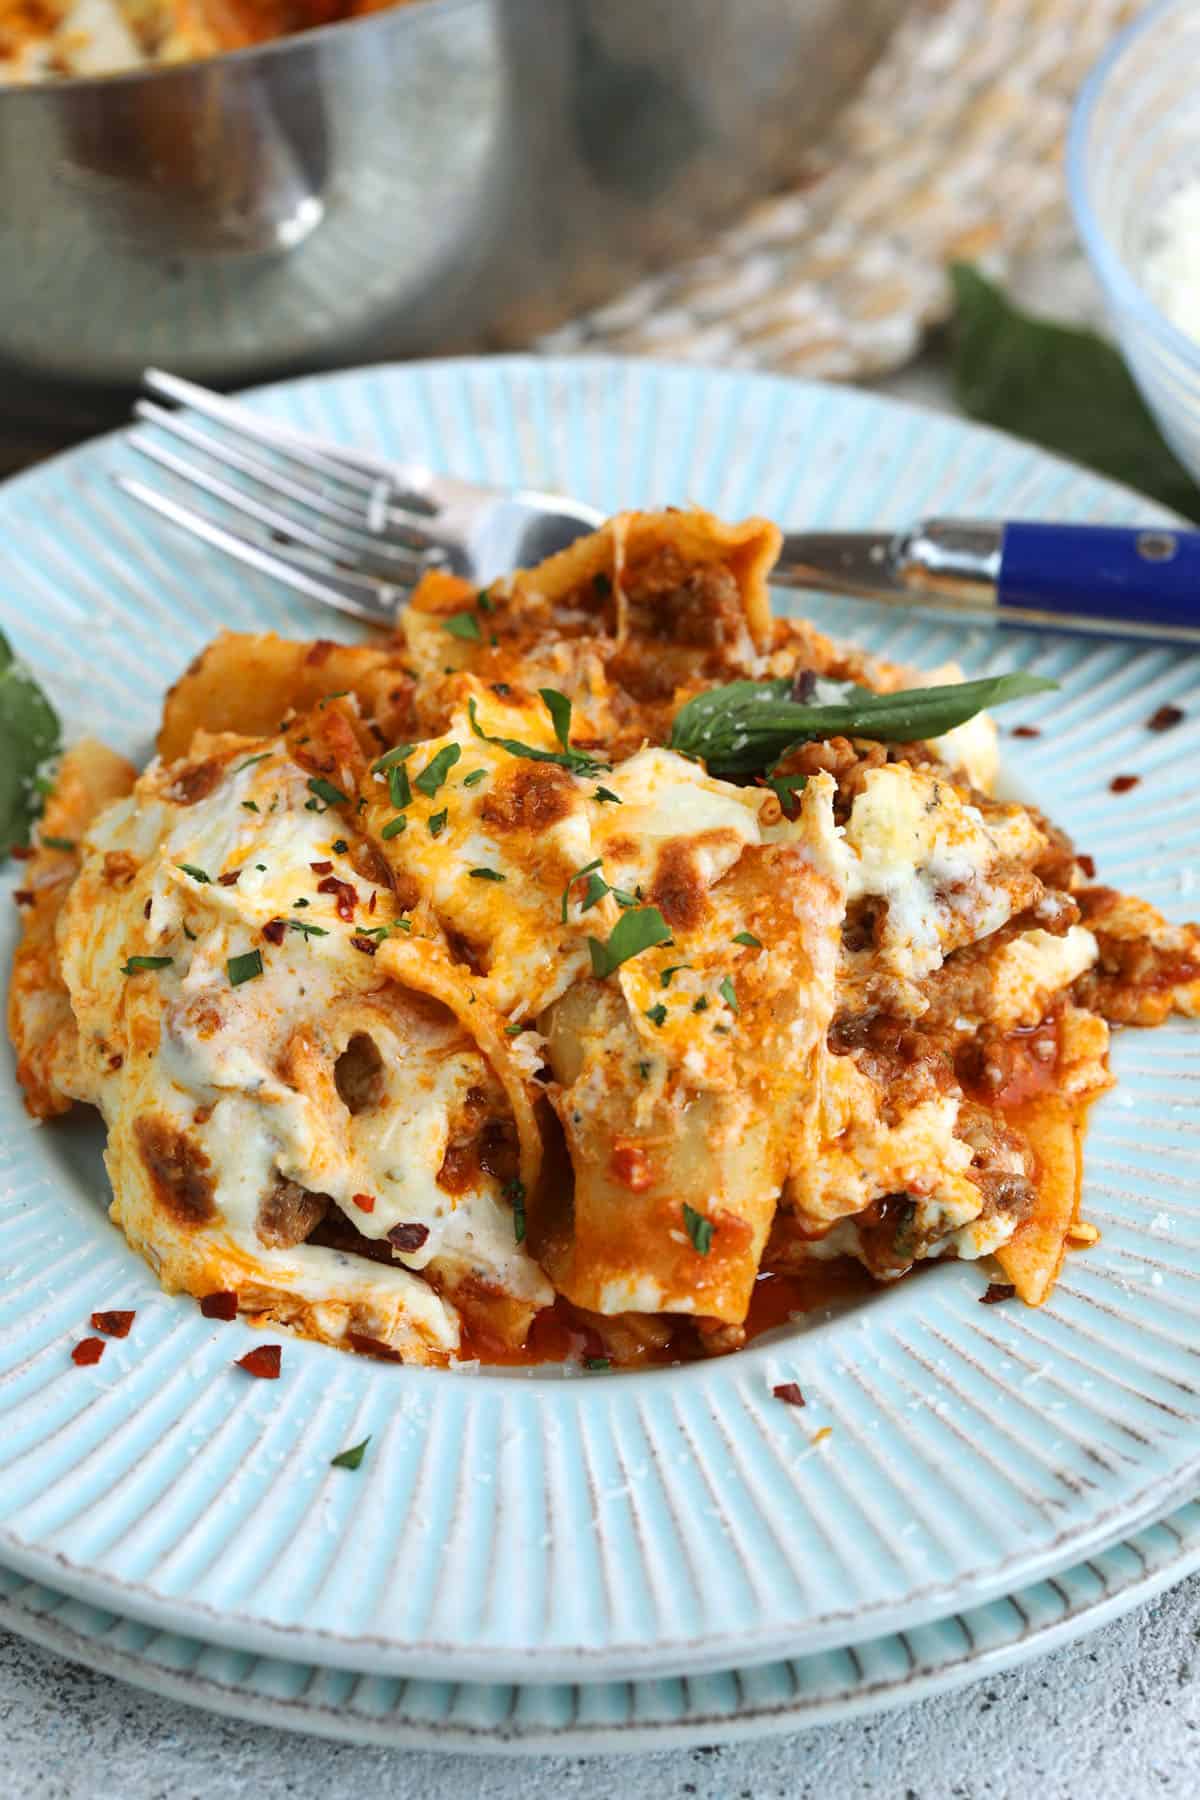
x,y
1115,1716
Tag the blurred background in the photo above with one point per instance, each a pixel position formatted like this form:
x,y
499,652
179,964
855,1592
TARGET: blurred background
x,y
774,183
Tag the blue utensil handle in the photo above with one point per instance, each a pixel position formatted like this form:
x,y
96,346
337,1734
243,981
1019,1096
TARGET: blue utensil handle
x,y
1138,577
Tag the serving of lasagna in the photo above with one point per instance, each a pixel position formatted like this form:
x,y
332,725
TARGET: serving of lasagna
x,y
589,971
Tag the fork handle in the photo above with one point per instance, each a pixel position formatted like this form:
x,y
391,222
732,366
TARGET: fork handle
x,y
1096,577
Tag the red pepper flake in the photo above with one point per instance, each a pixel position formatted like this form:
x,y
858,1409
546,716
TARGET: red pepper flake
x,y
113,1324
1165,718
1087,864
367,945
263,1362
321,868
346,895
997,1291
372,900
275,930
1121,784
220,1306
21,852
1026,731
88,1351
789,1392
23,897
364,1202
230,878
408,1237
116,1061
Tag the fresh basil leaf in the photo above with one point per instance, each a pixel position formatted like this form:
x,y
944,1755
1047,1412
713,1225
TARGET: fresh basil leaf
x,y
29,737
746,726
748,938
559,708
1060,387
633,932
728,993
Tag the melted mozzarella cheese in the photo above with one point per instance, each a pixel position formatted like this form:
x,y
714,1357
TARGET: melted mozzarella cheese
x,y
912,842
248,1070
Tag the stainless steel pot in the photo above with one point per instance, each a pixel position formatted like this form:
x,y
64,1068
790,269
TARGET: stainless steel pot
x,y
454,172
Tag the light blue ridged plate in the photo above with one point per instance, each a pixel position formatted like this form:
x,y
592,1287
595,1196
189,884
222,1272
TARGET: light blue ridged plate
x,y
601,1717
518,1528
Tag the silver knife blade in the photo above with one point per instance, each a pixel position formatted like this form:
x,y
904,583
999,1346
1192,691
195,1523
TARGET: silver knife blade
x,y
867,563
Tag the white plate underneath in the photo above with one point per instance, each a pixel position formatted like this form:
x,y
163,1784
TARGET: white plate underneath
x,y
605,1717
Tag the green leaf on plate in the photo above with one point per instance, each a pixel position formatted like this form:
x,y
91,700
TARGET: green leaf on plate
x,y
29,737
1064,388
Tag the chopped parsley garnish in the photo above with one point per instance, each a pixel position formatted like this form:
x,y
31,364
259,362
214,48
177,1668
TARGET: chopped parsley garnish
x,y
306,928
486,875
515,1191
340,846
786,787
634,931
602,584
606,797
728,993
350,1459
325,790
474,778
261,757
745,727
577,876
189,935
577,761
657,1014
484,601
395,826
644,1070
57,843
137,963
399,787
301,902
244,967
261,867
516,1030
699,1229
437,822
379,932
559,708
250,805
462,625
665,977
597,1362
701,1004
437,768
196,874
748,938
339,695
399,753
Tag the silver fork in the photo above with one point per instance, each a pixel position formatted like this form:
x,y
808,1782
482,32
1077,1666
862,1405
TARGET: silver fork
x,y
345,528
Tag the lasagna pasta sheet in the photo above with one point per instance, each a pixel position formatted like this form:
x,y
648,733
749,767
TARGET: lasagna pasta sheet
x,y
425,990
